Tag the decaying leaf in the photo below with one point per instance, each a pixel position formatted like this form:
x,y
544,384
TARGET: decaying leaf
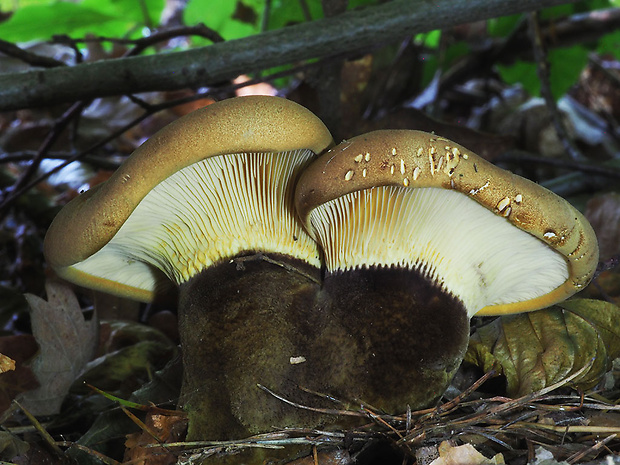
x,y
119,371
161,428
463,455
20,348
6,364
11,445
325,457
534,350
67,342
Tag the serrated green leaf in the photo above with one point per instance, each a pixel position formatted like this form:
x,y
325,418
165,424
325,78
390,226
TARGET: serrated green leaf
x,y
537,349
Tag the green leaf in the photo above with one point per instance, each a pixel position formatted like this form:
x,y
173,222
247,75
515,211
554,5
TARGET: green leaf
x,y
58,18
537,349
11,5
100,17
565,65
610,44
429,39
521,72
128,11
286,12
456,51
559,11
503,26
219,16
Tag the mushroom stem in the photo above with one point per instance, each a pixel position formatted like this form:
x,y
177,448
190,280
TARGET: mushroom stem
x,y
407,337
385,337
243,323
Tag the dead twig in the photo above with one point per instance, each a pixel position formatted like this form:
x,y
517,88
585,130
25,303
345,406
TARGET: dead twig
x,y
142,43
595,448
40,429
149,109
542,68
520,157
23,181
30,58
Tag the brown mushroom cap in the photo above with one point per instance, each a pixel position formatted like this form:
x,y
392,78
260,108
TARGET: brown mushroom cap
x,y
246,126
374,169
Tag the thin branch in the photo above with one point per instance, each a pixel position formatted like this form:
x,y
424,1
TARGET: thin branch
x,y
18,189
576,29
103,162
542,68
579,182
149,109
354,30
595,448
305,10
32,59
522,158
139,45
61,124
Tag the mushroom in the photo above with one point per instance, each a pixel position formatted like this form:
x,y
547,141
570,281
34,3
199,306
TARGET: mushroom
x,y
419,234
206,206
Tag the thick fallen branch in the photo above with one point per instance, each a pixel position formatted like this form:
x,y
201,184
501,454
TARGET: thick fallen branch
x,y
351,31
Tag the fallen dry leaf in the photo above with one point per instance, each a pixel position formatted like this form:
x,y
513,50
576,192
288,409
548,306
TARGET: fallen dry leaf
x,y
21,349
537,349
67,342
6,364
325,457
463,455
166,428
11,445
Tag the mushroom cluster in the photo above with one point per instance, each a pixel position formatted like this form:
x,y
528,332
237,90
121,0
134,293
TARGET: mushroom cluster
x,y
353,274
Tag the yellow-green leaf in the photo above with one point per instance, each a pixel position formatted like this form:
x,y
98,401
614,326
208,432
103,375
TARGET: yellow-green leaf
x,y
534,350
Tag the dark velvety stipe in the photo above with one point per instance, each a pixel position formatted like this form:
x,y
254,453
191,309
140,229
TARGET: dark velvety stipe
x,y
406,337
240,327
383,337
